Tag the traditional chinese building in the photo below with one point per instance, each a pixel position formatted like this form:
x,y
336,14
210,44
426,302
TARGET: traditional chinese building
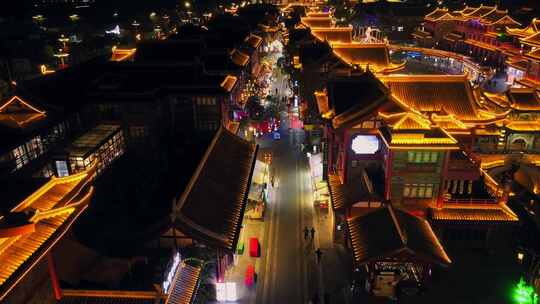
x,y
399,254
30,131
211,208
478,32
524,62
36,214
407,133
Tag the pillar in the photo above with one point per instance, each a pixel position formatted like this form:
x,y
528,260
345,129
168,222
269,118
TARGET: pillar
x,y
54,278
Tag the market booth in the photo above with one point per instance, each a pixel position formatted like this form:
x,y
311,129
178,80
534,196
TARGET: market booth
x,y
396,249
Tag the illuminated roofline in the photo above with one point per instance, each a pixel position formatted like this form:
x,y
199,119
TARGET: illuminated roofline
x,y
14,98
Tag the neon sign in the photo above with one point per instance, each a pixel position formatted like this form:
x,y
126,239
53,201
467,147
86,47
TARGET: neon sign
x,y
170,274
365,144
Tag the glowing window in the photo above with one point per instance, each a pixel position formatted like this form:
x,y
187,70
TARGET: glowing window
x,y
365,144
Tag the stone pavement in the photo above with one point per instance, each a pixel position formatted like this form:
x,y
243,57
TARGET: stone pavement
x,y
334,273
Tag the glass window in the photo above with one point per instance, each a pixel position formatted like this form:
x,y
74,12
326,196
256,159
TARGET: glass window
x,y
418,157
426,157
61,168
410,156
434,157
406,191
429,190
421,190
414,190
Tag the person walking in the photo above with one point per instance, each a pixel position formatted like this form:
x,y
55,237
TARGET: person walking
x,y
306,233
318,253
312,233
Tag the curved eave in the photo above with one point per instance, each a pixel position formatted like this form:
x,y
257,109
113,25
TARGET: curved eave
x,y
18,275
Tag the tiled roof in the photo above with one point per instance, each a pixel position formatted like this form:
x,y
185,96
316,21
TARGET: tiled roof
x,y
533,40
18,113
481,44
453,37
354,97
48,214
212,206
499,16
531,29
333,34
524,126
524,99
390,233
482,11
467,10
229,82
314,22
436,14
436,94
239,58
421,34
520,64
376,56
254,40
407,121
185,285
480,213
359,188
535,54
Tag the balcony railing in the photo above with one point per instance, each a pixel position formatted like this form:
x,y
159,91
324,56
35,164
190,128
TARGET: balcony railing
x,y
471,201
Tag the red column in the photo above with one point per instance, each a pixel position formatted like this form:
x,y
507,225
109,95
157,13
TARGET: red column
x,y
54,277
444,176
388,177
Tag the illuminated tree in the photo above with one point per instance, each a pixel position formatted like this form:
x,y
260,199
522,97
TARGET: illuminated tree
x,y
524,294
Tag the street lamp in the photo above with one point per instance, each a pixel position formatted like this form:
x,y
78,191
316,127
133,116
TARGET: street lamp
x,y
187,5
63,40
61,55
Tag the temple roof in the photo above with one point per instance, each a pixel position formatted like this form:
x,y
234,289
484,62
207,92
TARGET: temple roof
x,y
437,14
184,287
376,56
481,11
37,222
239,58
531,29
315,22
229,82
534,54
358,189
532,40
499,17
333,34
467,213
18,113
354,97
411,130
421,34
398,235
524,126
525,99
254,40
212,206
438,94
